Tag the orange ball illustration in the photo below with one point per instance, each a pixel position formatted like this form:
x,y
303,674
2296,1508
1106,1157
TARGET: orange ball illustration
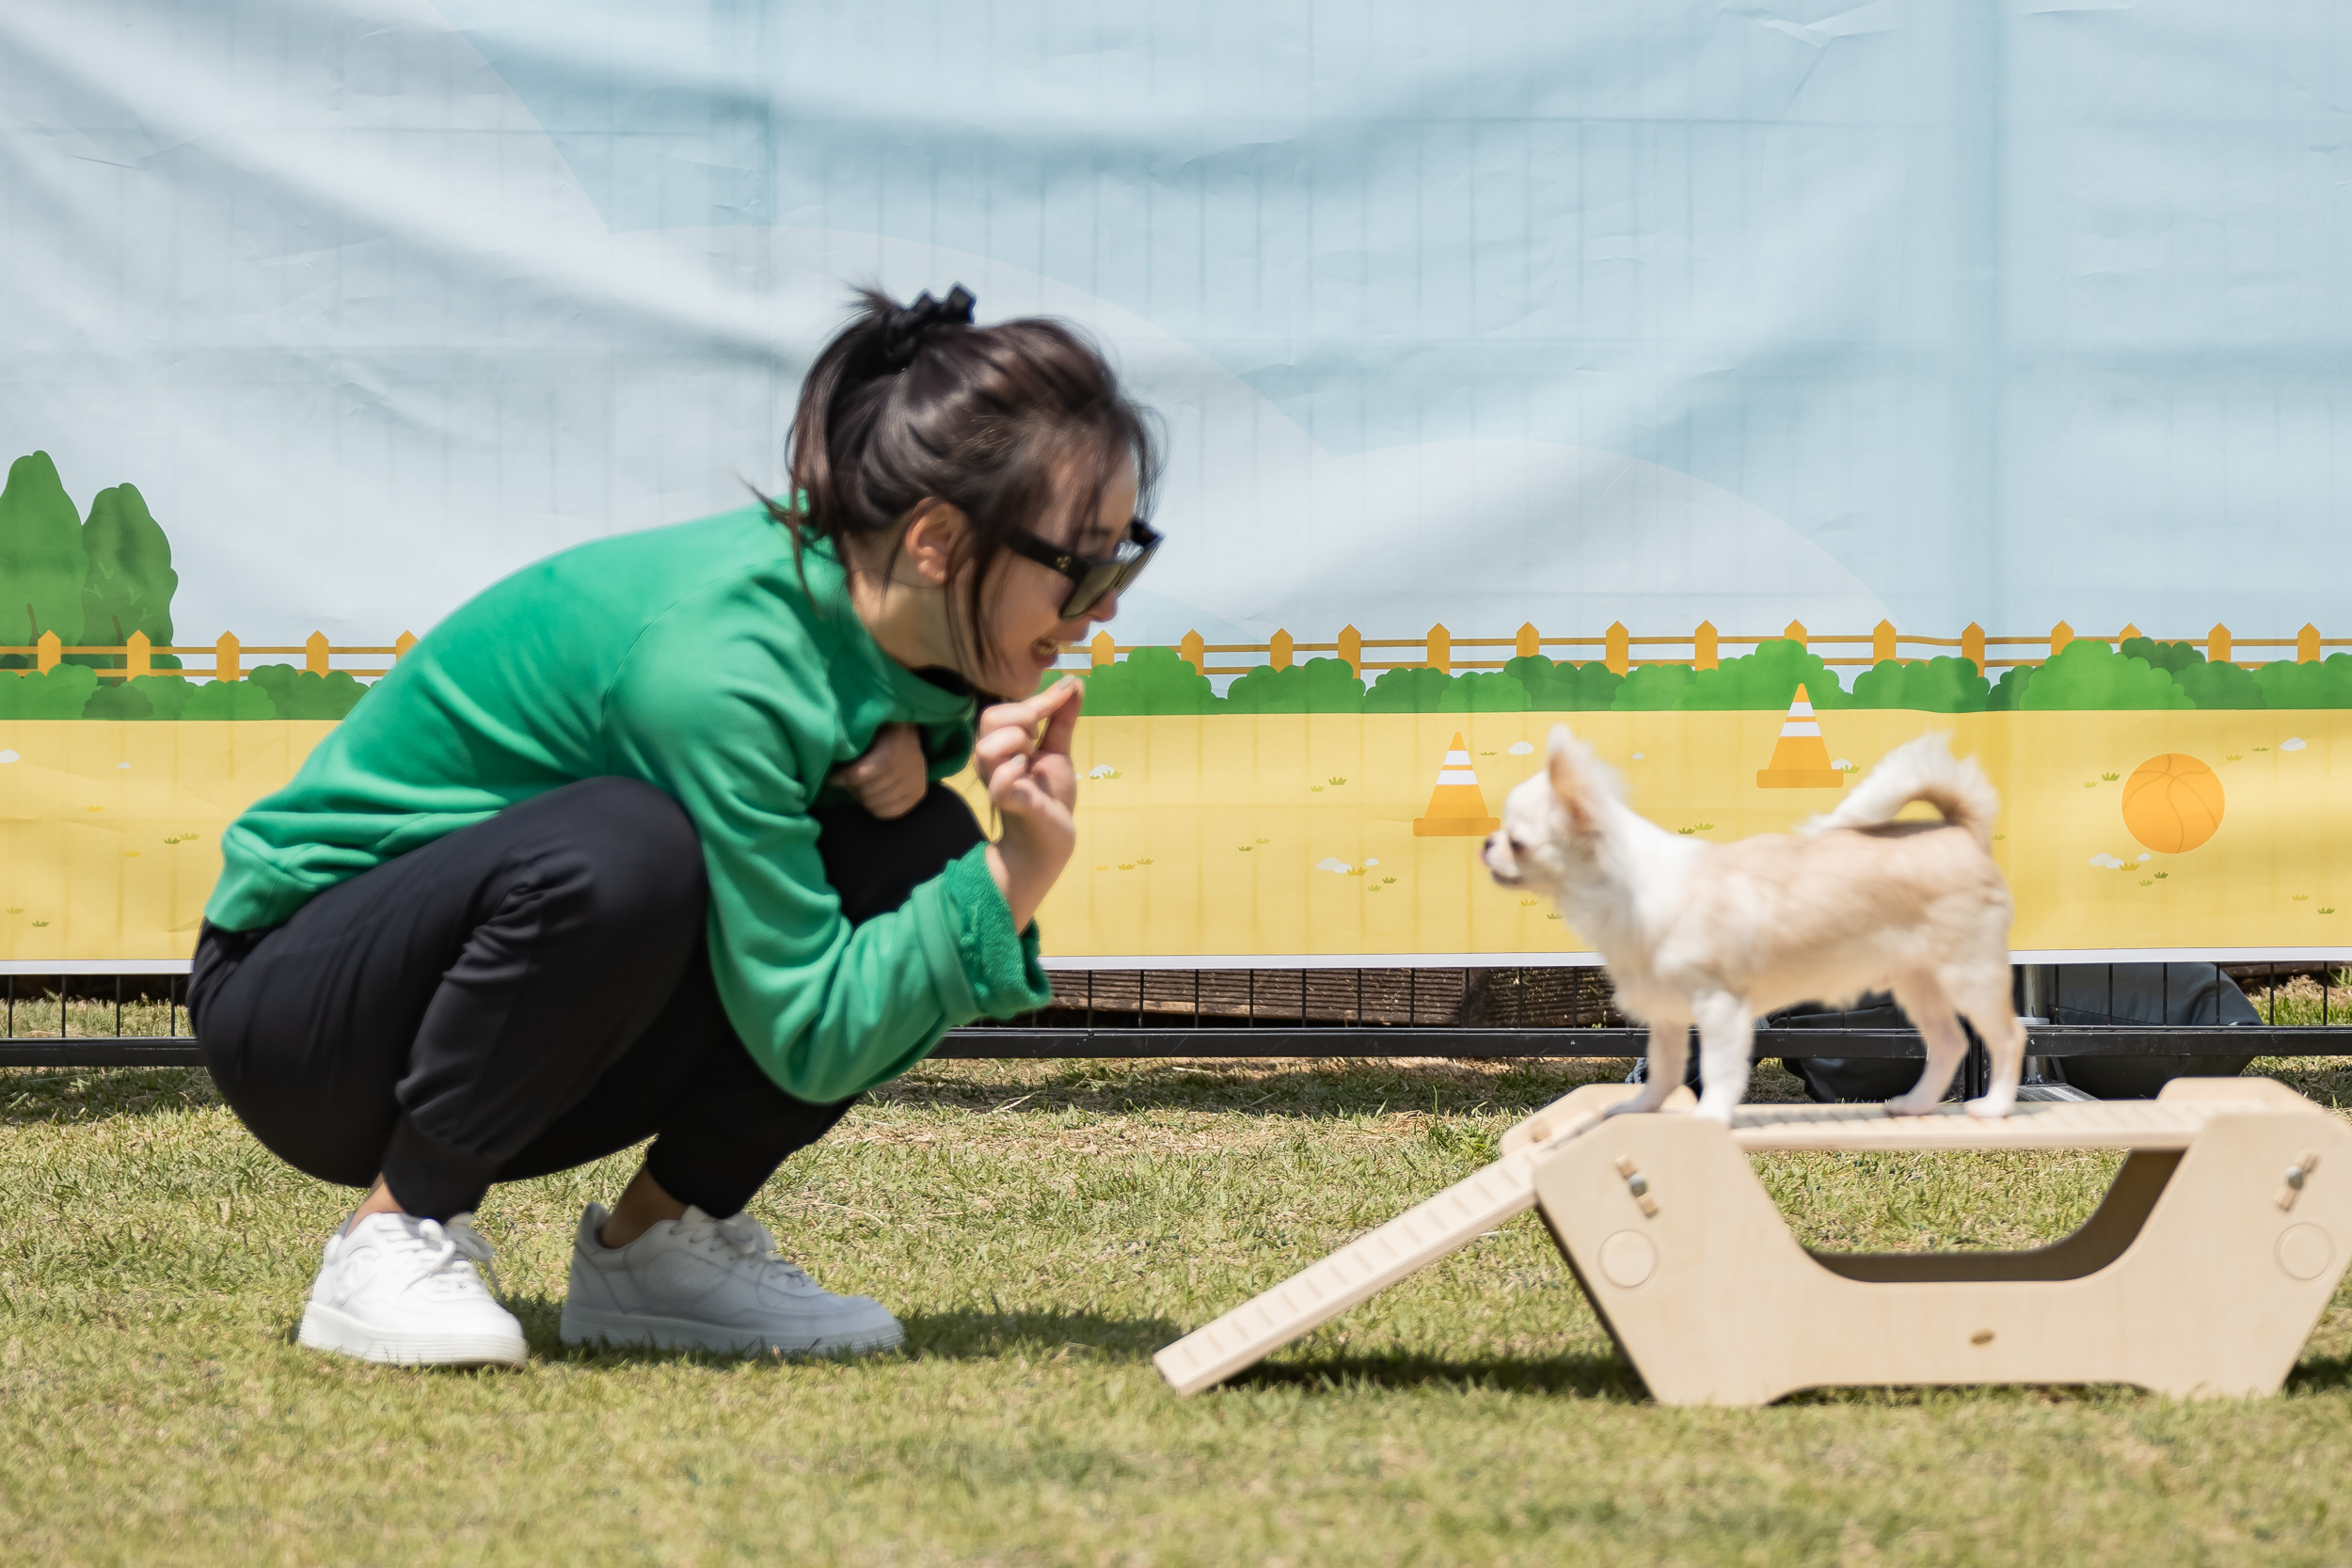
x,y
2172,803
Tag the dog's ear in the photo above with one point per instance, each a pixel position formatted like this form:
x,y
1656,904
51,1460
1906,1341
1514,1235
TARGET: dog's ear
x,y
1572,780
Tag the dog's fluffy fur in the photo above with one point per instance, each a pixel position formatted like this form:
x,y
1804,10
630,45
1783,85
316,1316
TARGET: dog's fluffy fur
x,y
1718,934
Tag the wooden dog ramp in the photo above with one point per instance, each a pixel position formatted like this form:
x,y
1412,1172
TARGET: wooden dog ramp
x,y
2201,1273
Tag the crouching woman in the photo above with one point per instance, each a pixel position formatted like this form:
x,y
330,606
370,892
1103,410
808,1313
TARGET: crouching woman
x,y
649,841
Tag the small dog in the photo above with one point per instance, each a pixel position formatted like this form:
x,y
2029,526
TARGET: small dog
x,y
1717,934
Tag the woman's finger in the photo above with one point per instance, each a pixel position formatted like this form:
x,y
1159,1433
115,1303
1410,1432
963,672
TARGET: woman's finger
x,y
1006,780
1064,721
1030,712
998,747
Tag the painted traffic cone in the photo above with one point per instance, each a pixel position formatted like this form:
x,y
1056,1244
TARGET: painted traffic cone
x,y
1800,758
1456,808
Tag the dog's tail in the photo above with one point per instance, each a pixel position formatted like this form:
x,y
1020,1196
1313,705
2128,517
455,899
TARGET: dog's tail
x,y
1922,769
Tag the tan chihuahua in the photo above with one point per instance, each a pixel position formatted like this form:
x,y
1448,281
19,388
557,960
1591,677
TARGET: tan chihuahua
x,y
1719,934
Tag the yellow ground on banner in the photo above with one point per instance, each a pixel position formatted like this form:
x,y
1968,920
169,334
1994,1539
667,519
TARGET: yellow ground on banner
x,y
1207,835
1241,835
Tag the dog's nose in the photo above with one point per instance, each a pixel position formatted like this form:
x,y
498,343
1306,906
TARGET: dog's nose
x,y
1500,865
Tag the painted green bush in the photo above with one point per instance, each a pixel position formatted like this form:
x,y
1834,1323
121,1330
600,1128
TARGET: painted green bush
x,y
2170,658
299,694
1653,689
216,700
1318,685
1766,678
1427,690
60,693
2220,685
2323,682
1931,686
1587,687
2087,675
142,697
2208,685
1148,682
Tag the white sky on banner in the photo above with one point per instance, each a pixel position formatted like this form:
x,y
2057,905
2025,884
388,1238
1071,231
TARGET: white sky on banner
x,y
1646,309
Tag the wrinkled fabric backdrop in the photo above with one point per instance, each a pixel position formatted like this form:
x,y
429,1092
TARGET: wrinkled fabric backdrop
x,y
1642,310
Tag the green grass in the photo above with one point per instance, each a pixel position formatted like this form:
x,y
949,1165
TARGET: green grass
x,y
1042,1229
2297,1000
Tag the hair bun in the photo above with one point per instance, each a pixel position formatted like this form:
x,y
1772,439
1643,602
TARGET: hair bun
x,y
905,328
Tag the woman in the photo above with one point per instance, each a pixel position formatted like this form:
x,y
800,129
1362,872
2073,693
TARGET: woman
x,y
648,840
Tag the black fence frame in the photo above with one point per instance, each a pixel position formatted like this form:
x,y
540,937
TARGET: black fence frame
x,y
1211,1038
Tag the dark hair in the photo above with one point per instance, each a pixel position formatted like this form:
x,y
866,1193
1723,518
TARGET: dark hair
x,y
1006,422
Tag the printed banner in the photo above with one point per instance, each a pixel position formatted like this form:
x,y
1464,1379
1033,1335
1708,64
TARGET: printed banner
x,y
1630,365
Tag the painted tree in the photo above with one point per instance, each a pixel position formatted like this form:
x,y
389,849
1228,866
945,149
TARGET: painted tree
x,y
42,564
129,580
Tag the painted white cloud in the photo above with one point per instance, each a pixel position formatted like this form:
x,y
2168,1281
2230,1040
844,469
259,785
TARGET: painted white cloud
x,y
1329,864
2294,743
2106,862
2146,858
1523,748
1101,771
1369,860
8,756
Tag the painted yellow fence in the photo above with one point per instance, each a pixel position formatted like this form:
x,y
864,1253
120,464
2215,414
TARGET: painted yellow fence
x,y
1701,648
228,655
1437,649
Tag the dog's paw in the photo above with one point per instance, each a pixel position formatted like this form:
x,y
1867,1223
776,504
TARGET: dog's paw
x,y
1721,1115
1910,1105
1991,1107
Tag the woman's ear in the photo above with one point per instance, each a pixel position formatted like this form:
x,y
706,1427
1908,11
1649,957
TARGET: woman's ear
x,y
935,534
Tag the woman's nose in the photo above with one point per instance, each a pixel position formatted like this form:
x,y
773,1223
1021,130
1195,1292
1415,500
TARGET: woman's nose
x,y
1104,608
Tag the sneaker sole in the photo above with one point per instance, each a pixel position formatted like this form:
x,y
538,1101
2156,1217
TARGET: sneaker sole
x,y
338,1333
627,1330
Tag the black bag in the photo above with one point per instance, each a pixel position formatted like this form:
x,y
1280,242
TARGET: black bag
x,y
2079,993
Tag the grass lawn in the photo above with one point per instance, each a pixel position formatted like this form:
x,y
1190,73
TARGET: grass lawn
x,y
1042,1229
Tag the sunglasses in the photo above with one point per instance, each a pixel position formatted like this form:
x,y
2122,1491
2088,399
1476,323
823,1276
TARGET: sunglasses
x,y
1093,579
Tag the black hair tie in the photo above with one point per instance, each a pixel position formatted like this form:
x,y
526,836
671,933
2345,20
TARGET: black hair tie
x,y
904,328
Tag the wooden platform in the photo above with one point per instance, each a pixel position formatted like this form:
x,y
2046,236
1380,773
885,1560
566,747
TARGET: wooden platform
x,y
2201,1273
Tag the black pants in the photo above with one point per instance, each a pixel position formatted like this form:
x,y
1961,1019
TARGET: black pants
x,y
524,996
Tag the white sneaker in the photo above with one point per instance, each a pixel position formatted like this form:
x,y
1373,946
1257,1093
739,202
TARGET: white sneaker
x,y
404,1290
697,1282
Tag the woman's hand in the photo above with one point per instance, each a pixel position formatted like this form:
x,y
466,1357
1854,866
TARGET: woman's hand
x,y
1033,787
890,780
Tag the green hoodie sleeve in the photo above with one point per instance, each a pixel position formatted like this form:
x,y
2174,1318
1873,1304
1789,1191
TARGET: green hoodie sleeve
x,y
826,1008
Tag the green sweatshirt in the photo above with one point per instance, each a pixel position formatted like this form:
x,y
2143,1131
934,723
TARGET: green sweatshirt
x,y
694,658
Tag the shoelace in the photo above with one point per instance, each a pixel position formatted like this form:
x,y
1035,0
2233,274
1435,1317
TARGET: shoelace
x,y
454,1241
740,1235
